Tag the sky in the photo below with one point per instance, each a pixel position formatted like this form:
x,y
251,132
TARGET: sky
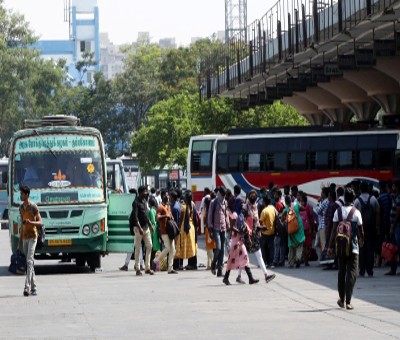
x,y
123,19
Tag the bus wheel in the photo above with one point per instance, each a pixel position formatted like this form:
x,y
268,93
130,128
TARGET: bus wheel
x,y
80,260
94,261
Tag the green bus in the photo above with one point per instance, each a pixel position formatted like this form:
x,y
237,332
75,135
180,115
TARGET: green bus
x,y
64,164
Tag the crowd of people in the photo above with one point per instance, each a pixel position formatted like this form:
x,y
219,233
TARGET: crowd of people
x,y
237,224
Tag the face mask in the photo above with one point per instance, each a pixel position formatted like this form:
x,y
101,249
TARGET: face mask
x,y
252,200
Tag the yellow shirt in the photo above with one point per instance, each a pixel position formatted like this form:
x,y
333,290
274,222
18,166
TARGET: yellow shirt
x,y
28,230
267,219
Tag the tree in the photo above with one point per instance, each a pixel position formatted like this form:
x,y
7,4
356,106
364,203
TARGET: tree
x,y
164,138
137,88
27,83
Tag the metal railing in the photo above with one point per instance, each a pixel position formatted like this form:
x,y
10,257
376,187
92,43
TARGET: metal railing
x,y
288,28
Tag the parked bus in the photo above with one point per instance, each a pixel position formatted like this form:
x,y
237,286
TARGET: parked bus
x,y
65,167
3,189
116,181
132,172
305,157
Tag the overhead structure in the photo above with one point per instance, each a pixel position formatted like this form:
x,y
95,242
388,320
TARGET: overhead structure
x,y
235,19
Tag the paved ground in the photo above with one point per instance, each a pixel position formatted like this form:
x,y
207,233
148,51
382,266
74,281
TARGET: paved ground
x,y
298,304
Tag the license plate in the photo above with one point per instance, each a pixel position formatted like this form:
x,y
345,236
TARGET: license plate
x,y
62,242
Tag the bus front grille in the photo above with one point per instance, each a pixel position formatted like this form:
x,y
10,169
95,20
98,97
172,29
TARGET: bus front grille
x,y
62,230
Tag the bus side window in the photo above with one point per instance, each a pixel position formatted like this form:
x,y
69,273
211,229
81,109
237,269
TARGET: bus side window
x,y
365,159
345,159
297,161
385,159
222,163
320,160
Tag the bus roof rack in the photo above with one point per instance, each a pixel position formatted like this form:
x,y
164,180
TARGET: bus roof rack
x,y
56,120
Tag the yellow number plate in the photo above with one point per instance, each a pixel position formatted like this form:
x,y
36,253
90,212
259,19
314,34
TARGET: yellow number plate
x,y
63,242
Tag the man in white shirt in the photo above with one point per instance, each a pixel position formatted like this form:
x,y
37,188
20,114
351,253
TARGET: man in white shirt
x,y
348,264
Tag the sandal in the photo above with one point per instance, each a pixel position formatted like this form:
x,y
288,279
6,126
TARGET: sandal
x,y
340,303
349,306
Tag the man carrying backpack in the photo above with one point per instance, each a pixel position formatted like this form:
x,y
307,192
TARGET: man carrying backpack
x,y
348,236
370,212
31,220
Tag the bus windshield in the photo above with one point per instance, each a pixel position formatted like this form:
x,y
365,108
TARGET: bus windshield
x,y
59,169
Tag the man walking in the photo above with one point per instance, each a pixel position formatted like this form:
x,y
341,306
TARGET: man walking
x,y
31,220
218,223
142,230
347,264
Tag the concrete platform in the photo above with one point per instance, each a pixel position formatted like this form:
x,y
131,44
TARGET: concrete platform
x,y
73,303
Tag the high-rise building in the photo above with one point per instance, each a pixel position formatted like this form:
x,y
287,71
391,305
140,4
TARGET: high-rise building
x,y
111,58
83,19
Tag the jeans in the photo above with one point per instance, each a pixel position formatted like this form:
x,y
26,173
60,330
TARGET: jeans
x,y
267,248
219,237
347,276
29,251
367,254
279,250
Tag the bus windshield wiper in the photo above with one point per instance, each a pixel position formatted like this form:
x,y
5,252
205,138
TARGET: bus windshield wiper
x,y
45,144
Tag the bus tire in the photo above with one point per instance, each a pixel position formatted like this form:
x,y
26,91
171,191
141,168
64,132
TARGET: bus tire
x,y
94,261
80,260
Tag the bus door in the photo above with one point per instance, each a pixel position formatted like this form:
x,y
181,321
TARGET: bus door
x,y
119,239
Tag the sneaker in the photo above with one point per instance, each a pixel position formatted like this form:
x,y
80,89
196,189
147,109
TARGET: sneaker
x,y
149,271
26,292
254,281
240,280
213,271
33,292
173,272
139,273
269,278
124,268
226,281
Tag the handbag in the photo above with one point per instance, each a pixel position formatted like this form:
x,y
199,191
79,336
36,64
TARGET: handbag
x,y
389,251
292,223
172,228
41,237
252,242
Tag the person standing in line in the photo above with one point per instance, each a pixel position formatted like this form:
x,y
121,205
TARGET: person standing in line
x,y
347,274
186,240
155,231
321,211
370,211
295,240
267,220
163,214
142,230
175,206
210,243
129,255
218,223
394,231
206,196
30,221
308,224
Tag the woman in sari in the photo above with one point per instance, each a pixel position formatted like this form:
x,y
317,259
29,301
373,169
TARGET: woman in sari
x,y
186,241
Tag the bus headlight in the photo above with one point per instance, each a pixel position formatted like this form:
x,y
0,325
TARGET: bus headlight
x,y
95,228
86,230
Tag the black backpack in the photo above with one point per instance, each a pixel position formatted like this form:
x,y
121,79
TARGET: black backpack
x,y
368,215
